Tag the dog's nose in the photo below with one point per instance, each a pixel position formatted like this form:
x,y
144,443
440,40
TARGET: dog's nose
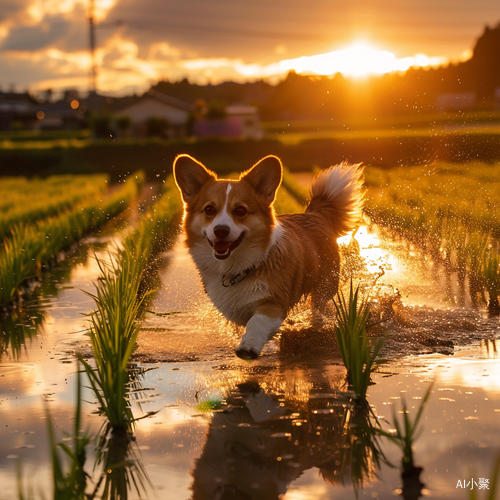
x,y
221,231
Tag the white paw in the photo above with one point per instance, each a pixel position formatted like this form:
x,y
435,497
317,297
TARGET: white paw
x,y
258,331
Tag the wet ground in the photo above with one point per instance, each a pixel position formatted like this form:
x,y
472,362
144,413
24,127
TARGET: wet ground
x,y
282,426
410,296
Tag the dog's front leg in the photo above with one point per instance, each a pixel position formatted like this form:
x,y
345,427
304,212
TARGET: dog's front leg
x,y
258,331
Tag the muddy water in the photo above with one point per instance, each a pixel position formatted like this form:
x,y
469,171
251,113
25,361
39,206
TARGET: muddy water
x,y
35,373
283,431
280,427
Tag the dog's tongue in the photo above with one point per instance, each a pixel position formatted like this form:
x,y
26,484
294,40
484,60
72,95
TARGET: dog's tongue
x,y
221,246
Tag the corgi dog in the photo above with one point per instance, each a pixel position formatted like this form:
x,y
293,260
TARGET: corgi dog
x,y
255,266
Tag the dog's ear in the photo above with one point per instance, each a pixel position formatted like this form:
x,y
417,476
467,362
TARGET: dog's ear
x,y
190,176
265,177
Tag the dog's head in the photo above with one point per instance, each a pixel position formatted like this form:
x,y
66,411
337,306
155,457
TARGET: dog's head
x,y
228,216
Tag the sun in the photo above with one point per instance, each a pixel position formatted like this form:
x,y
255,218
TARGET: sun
x,y
360,59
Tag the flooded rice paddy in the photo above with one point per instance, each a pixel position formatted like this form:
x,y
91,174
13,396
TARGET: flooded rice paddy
x,y
217,427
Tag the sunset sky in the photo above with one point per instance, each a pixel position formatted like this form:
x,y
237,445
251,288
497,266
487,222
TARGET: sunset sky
x,y
45,43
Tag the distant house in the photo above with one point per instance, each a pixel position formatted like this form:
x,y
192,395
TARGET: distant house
x,y
160,106
248,116
21,111
455,101
17,110
239,122
61,115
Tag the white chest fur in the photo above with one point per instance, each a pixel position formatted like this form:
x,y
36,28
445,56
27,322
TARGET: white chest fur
x,y
235,302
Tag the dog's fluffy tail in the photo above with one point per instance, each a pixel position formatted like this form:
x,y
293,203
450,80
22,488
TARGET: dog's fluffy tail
x,y
337,194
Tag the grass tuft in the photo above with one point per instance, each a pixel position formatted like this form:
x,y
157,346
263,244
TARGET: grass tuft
x,y
357,355
407,431
490,271
118,298
113,333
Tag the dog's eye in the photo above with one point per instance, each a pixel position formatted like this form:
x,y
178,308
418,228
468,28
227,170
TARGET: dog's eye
x,y
240,211
210,210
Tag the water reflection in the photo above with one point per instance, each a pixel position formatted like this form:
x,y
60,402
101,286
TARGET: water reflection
x,y
58,291
117,453
119,459
264,439
16,329
490,348
412,484
53,301
116,465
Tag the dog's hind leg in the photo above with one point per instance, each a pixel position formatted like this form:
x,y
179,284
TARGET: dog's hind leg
x,y
259,329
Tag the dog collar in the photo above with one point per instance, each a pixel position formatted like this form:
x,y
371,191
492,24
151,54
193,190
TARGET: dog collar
x,y
238,278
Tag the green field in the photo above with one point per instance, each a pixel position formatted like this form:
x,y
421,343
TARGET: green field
x,y
448,211
40,219
156,157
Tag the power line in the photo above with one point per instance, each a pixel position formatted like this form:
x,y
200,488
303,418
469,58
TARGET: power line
x,y
223,31
147,25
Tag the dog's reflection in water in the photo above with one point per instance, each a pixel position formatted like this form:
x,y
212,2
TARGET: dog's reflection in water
x,y
257,446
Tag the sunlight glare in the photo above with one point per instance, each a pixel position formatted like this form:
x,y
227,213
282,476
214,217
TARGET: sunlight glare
x,y
376,258
358,60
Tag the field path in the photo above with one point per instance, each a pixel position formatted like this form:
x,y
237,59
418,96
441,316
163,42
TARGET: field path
x,y
196,331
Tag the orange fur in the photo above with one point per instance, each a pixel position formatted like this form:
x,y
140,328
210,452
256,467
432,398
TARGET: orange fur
x,y
280,258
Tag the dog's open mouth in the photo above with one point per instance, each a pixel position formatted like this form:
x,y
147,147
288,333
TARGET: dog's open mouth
x,y
223,249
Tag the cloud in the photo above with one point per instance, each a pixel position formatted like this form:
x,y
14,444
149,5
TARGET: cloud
x,y
139,42
29,38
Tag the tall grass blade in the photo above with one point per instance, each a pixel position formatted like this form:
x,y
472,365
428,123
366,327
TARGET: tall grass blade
x,y
359,359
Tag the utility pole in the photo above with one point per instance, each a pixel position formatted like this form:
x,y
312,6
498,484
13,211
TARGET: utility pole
x,y
93,69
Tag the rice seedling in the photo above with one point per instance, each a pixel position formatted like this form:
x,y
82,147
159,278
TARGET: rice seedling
x,y
493,488
490,272
154,230
353,263
16,329
475,250
117,457
404,436
446,210
122,470
71,485
18,261
113,332
24,201
462,241
118,466
34,244
357,355
113,325
406,432
442,188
